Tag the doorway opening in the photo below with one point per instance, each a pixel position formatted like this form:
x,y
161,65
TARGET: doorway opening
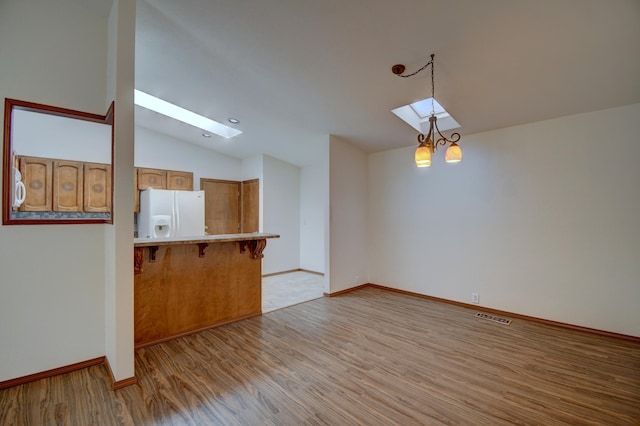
x,y
290,288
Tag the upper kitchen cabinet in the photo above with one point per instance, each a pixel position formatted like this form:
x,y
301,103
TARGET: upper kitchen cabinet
x,y
164,179
97,187
57,165
145,178
37,177
182,181
67,188
152,178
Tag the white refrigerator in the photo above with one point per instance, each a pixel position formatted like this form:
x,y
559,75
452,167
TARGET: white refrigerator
x,y
168,214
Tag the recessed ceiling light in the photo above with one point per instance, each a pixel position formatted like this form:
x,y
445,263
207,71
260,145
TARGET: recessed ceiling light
x,y
233,120
170,110
206,135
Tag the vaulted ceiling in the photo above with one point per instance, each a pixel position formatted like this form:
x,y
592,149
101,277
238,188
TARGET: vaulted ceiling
x,y
295,71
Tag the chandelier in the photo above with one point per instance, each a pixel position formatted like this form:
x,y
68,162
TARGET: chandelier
x,y
428,144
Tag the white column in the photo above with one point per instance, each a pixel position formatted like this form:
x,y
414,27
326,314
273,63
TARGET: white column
x,y
119,346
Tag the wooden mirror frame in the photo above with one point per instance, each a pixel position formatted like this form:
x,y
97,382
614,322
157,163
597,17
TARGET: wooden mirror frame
x,y
7,166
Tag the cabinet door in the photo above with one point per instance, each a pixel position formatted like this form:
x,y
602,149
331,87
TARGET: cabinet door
x,y
180,180
37,176
136,192
97,187
67,186
221,206
250,205
152,178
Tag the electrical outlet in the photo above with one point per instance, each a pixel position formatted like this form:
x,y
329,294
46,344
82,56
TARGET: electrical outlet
x,y
356,279
475,298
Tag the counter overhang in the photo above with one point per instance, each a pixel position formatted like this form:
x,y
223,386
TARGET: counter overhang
x,y
205,239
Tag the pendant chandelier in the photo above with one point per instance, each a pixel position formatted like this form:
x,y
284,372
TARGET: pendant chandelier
x,y
428,144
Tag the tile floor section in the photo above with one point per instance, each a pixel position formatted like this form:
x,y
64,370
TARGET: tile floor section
x,y
279,291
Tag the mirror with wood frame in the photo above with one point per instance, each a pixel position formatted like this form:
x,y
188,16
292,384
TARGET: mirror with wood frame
x,y
56,165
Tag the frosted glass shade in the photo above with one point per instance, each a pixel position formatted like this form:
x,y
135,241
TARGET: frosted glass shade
x,y
423,156
453,154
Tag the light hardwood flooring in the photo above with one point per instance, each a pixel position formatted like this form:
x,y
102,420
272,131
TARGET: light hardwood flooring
x,y
369,357
282,290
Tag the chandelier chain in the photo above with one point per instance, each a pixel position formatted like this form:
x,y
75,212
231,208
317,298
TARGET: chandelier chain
x,y
433,89
416,72
433,85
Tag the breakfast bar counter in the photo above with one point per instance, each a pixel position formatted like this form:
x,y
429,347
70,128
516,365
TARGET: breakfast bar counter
x,y
185,285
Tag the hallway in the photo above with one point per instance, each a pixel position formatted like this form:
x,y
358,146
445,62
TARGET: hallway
x,y
291,288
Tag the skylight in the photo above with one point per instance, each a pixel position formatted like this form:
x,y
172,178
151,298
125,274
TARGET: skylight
x,y
417,115
423,107
170,110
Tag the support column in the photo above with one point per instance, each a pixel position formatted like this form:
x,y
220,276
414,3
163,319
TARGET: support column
x,y
119,345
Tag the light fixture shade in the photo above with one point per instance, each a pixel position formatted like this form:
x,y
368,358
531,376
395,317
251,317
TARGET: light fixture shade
x,y
423,156
453,154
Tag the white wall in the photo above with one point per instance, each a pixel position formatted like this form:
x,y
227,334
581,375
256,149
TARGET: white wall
x,y
252,168
52,288
348,215
540,219
313,186
50,136
156,150
281,215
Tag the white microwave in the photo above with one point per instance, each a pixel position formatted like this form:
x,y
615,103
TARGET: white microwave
x,y
19,191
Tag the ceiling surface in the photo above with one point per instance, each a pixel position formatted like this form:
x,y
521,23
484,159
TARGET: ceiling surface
x,y
295,71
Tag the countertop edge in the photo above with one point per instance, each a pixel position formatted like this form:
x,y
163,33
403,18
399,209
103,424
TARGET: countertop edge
x,y
206,239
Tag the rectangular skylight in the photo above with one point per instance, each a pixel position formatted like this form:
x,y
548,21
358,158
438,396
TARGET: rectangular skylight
x,y
170,110
423,107
417,115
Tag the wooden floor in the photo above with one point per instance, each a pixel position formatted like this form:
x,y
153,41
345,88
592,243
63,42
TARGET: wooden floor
x,y
368,357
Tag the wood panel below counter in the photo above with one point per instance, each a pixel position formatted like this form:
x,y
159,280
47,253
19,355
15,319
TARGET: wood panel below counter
x,y
194,286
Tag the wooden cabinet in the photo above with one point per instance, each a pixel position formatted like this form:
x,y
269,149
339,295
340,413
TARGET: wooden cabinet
x,y
97,187
37,175
184,287
221,206
136,192
152,178
231,206
145,178
250,201
67,186
182,181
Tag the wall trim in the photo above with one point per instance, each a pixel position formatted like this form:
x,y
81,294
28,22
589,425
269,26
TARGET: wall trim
x,y
50,373
620,336
293,270
349,290
312,272
118,384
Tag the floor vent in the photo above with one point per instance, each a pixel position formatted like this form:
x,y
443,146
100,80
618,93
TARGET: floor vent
x,y
494,318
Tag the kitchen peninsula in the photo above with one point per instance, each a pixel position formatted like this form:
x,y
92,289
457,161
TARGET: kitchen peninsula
x,y
185,285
